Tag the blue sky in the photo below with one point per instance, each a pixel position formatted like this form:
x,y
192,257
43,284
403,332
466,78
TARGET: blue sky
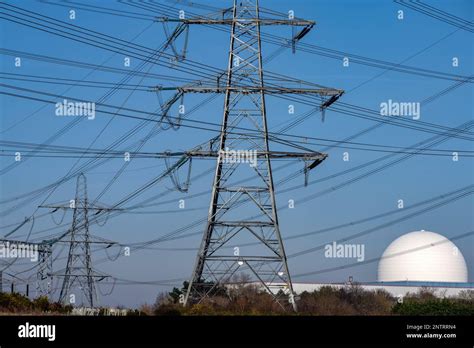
x,y
367,28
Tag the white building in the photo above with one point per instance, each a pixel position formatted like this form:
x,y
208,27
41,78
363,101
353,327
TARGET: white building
x,y
414,261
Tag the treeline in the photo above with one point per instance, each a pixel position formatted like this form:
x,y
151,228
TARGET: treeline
x,y
249,300
349,300
425,303
16,303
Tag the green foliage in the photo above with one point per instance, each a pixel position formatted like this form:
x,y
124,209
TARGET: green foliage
x,y
168,310
41,303
14,302
18,303
349,300
445,306
176,293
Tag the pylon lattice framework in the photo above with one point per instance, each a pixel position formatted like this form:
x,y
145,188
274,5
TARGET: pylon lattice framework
x,y
79,273
79,265
244,107
45,269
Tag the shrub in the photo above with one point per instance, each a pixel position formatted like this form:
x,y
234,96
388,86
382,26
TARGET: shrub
x,y
41,303
17,303
445,306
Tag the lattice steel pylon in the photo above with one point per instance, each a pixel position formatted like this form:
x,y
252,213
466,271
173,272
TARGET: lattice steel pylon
x,y
79,265
256,246
44,278
78,271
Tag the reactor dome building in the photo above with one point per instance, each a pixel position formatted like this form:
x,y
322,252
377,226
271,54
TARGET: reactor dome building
x,y
422,256
415,261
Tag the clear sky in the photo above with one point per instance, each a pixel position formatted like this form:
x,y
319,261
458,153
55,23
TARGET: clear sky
x,y
367,28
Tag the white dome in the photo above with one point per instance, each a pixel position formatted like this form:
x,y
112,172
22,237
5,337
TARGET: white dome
x,y
436,259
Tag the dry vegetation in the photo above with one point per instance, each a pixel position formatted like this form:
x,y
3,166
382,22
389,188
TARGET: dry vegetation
x,y
349,300
15,303
248,300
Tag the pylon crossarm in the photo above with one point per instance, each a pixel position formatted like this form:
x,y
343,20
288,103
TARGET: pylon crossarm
x,y
91,276
240,21
310,156
326,92
89,242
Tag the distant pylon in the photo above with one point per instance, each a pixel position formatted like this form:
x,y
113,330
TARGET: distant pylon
x,y
79,265
44,274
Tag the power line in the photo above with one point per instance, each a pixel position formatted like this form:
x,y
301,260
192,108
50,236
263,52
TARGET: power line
x,y
438,14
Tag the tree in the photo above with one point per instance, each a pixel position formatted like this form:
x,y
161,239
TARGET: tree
x,y
176,293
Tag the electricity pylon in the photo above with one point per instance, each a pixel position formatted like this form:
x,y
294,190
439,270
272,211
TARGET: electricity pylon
x,y
79,264
44,274
79,271
263,260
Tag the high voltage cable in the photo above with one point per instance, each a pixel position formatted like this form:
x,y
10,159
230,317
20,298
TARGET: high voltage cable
x,y
431,142
72,82
99,9
427,143
103,98
438,14
445,196
149,88
188,120
107,95
95,68
350,181
463,78
331,53
109,42
391,66
378,118
386,224
84,65
73,152
75,122
356,264
202,103
367,231
341,54
136,36
369,129
219,70
207,99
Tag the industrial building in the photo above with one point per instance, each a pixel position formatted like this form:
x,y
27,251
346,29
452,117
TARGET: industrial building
x,y
414,261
